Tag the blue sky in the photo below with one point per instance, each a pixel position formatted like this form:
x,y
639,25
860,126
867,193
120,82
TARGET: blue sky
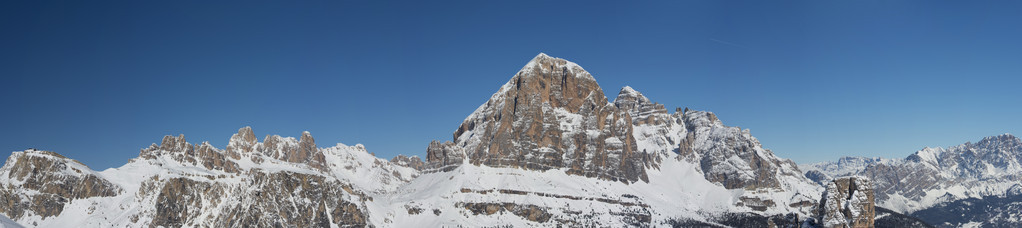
x,y
813,80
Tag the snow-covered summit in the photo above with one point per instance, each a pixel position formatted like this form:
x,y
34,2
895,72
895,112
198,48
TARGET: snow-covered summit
x,y
545,64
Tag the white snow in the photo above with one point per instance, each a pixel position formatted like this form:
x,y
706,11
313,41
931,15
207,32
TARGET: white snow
x,y
676,190
8,223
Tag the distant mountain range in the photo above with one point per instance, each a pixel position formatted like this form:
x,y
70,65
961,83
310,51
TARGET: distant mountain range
x,y
548,149
965,185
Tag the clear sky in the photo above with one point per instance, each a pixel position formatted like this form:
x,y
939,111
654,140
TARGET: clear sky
x,y
813,80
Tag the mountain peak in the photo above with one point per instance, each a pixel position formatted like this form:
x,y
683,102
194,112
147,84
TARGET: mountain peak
x,y
550,101
171,143
541,55
246,134
1003,142
242,142
640,108
548,66
628,89
629,92
1006,137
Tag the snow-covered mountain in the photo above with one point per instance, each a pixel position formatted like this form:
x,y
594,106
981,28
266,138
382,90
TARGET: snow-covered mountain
x,y
937,177
553,120
547,149
281,181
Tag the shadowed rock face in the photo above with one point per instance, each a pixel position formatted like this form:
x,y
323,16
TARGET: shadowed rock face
x,y
848,202
313,201
444,156
551,114
42,182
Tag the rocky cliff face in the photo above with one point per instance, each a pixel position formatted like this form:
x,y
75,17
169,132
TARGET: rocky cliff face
x,y
848,202
181,151
552,114
444,156
35,183
243,145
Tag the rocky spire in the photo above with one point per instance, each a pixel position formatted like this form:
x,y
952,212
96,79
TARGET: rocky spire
x,y
848,202
242,142
176,144
308,153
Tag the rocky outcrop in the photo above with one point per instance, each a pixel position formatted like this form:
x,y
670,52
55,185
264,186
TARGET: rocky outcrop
x,y
529,212
288,149
848,202
656,131
444,156
307,152
552,114
244,142
204,154
35,182
411,162
242,145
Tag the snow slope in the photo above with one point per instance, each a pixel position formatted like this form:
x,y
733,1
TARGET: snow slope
x,y
675,190
6,222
